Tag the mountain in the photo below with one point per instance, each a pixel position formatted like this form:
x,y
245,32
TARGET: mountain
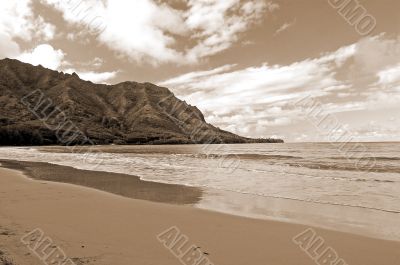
x,y
39,106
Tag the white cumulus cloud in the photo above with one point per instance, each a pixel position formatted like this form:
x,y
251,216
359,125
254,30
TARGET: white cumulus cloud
x,y
17,20
44,55
159,33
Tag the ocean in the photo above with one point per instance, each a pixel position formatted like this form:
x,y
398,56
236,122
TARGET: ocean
x,y
343,186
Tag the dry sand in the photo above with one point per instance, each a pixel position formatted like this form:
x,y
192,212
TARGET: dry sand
x,y
95,227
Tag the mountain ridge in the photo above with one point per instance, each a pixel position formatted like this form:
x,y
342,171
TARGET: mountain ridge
x,y
38,104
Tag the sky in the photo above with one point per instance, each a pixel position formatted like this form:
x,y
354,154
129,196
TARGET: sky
x,y
244,63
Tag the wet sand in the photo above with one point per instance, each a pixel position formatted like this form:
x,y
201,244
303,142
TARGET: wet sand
x,y
96,227
120,184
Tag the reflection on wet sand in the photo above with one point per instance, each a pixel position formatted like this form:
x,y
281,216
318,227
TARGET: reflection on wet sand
x,y
119,184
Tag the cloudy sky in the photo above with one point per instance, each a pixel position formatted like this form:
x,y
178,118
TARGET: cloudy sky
x,y
244,63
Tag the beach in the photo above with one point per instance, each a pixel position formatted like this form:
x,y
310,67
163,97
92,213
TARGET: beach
x,y
305,183
98,227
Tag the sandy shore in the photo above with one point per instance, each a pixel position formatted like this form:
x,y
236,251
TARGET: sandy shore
x,y
119,184
95,227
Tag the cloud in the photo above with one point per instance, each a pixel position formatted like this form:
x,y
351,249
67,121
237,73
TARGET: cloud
x,y
95,77
140,29
45,55
376,53
158,33
47,30
284,27
257,84
97,62
51,58
260,95
256,100
373,55
390,76
217,24
275,122
188,78
8,47
17,20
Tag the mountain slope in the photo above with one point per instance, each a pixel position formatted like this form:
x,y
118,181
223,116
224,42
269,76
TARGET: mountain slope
x,y
40,106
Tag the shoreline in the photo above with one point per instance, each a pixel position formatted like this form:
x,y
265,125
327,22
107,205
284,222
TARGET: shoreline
x,y
172,142
96,227
359,221
324,216
128,186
